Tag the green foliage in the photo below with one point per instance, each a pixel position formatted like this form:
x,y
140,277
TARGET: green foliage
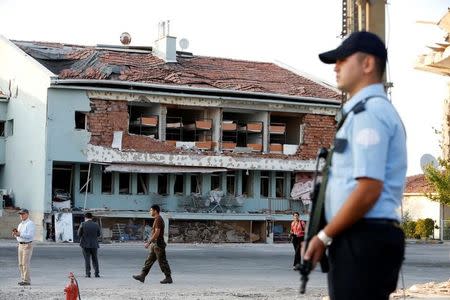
x,y
439,178
422,228
409,228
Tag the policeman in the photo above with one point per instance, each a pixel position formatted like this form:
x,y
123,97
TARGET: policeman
x,y
366,180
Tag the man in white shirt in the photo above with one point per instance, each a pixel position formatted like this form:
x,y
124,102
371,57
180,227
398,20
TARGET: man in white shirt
x,y
24,235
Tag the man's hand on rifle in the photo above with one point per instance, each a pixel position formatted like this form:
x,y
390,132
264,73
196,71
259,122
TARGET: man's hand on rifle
x,y
315,251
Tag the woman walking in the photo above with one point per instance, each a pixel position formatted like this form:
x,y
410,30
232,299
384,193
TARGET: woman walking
x,y
297,236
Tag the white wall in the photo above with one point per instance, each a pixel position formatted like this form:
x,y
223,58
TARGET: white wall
x,y
420,207
25,156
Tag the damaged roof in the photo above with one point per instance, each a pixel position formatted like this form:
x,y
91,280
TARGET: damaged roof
x,y
418,184
89,62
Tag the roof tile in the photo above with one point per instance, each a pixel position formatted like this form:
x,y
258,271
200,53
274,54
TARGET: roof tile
x,y
84,62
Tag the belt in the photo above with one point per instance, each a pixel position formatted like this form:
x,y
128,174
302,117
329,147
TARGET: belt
x,y
22,243
390,222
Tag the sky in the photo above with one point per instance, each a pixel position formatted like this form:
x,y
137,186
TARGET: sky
x,y
292,32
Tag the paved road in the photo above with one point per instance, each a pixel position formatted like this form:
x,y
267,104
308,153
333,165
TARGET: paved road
x,y
254,271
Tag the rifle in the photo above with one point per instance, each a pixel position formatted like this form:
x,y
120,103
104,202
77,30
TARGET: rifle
x,y
316,216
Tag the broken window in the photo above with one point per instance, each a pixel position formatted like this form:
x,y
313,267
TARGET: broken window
x,y
179,185
279,185
231,183
144,120
10,127
85,180
240,129
2,128
142,184
163,181
124,183
189,125
107,182
80,120
265,184
215,182
62,182
196,184
247,186
285,129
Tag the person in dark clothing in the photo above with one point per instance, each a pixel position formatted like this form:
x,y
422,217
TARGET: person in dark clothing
x,y
88,232
157,249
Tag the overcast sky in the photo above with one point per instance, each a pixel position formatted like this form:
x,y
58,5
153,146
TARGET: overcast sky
x,y
289,31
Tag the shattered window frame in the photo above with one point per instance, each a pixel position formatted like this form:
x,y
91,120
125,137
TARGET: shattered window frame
x,y
83,175
142,180
280,180
178,187
105,177
125,183
215,181
81,120
264,184
163,184
231,183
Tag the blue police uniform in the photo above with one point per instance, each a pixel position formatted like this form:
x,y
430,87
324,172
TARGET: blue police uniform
x,y
375,149
365,259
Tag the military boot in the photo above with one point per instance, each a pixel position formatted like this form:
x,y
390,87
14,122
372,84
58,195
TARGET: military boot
x,y
140,277
166,280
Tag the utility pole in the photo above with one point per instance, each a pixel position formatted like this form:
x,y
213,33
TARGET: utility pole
x,y
368,15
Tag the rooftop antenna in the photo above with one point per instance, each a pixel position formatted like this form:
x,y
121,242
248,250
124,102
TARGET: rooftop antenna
x,y
426,160
184,44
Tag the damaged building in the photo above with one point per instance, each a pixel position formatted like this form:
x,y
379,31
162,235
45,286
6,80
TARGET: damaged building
x,y
225,147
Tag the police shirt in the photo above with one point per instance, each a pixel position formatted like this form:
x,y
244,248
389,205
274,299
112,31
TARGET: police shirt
x,y
375,148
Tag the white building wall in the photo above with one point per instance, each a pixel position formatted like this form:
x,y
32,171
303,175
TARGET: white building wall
x,y
421,207
25,151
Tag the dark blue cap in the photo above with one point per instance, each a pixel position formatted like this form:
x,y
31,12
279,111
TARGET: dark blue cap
x,y
360,41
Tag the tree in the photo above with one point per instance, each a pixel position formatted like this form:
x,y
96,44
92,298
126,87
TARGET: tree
x,y
439,178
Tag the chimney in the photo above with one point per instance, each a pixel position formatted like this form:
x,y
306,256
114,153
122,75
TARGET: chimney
x,y
166,45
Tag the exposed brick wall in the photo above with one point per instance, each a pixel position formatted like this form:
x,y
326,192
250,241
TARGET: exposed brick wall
x,y
105,118
108,116
319,132
145,144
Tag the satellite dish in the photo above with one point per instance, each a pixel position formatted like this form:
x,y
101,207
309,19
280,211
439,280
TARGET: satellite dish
x,y
184,44
426,160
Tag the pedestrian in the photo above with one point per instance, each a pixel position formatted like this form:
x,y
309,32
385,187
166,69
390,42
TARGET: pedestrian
x,y
89,231
297,235
366,179
157,249
24,234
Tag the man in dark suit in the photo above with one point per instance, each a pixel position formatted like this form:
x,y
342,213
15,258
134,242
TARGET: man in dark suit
x,y
88,232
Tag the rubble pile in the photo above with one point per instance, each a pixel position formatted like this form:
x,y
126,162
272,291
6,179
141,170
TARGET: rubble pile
x,y
211,232
429,288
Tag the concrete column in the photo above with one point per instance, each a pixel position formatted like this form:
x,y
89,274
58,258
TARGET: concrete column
x,y
115,179
76,186
256,184
166,227
272,184
162,123
187,184
266,133
287,184
96,178
153,184
134,183
206,184
238,182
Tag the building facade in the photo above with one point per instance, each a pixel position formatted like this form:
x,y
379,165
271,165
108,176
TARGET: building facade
x,y
219,144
